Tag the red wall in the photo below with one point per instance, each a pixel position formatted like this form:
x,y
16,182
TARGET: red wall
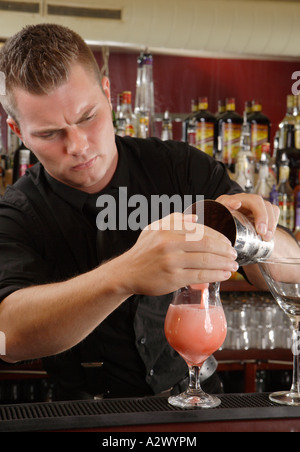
x,y
177,80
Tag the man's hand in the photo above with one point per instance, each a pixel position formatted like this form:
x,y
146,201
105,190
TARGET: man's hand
x,y
265,217
175,252
264,214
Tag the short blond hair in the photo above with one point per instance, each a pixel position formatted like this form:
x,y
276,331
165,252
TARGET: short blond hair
x,y
38,59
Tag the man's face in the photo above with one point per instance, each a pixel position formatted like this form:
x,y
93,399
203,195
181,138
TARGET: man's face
x,y
70,130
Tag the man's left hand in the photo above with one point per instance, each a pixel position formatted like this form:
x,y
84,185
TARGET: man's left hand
x,y
264,214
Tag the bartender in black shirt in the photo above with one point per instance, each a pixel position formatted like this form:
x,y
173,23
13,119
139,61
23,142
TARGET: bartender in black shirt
x,y
72,293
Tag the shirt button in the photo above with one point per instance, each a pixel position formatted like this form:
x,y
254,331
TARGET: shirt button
x,y
151,373
143,341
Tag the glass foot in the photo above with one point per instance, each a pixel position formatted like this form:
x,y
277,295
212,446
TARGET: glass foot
x,y
190,399
285,398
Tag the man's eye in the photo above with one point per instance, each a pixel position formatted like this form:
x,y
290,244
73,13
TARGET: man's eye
x,y
89,118
47,135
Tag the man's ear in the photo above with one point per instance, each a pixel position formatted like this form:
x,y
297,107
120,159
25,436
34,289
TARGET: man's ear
x,y
14,127
106,88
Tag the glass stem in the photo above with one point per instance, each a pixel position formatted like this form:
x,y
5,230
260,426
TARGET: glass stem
x,y
296,351
194,379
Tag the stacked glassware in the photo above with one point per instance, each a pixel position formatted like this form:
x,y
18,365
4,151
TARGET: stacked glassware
x,y
255,321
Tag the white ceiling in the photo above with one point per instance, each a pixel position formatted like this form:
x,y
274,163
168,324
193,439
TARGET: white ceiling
x,y
268,29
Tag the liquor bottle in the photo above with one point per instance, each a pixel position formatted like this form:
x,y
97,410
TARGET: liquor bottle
x,y
263,188
221,109
293,154
205,128
144,105
23,159
167,130
142,127
260,129
194,106
219,148
274,196
289,118
285,195
276,146
248,186
13,142
248,107
229,130
120,119
297,125
191,131
296,192
272,175
130,120
245,164
142,116
138,86
121,126
297,218
186,123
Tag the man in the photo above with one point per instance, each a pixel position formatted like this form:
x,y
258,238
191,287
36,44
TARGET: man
x,y
92,302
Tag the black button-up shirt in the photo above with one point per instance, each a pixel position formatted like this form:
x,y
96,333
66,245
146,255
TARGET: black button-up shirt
x,y
48,233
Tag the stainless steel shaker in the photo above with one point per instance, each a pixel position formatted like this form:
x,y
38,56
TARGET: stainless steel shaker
x,y
236,227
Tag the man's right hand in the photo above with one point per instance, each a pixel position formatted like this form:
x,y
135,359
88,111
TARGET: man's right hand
x,y
174,252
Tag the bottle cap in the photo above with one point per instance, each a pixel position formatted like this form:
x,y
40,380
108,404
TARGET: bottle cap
x,y
126,97
230,104
203,103
256,105
265,148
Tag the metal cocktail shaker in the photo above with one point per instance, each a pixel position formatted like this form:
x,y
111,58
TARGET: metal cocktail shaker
x,y
236,227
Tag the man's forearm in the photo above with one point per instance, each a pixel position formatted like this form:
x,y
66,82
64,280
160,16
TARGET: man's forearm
x,y
46,320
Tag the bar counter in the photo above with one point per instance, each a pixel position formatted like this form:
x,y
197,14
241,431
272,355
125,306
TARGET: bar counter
x,y
237,413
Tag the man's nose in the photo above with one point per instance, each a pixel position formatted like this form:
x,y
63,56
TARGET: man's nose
x,y
76,141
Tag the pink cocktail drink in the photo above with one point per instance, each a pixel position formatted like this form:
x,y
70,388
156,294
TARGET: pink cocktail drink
x,y
194,331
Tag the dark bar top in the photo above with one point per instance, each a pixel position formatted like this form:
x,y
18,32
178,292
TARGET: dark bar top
x,y
237,412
